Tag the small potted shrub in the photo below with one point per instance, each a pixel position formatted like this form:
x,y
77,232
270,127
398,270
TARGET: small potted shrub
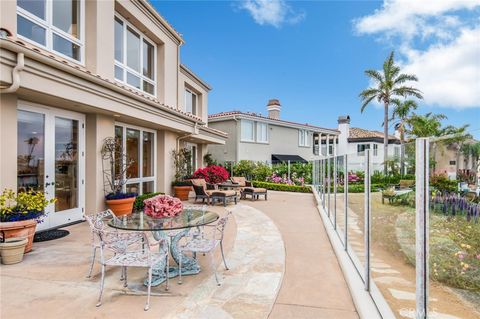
x,y
115,177
182,162
20,213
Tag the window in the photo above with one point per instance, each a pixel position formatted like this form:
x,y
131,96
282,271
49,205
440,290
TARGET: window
x,y
134,57
54,24
262,132
453,162
375,149
139,145
396,151
193,158
190,102
303,138
247,131
361,149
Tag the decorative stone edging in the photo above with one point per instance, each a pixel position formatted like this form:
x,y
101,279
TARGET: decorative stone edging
x,y
250,287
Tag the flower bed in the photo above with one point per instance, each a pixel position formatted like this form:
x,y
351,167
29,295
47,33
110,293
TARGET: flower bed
x,y
282,187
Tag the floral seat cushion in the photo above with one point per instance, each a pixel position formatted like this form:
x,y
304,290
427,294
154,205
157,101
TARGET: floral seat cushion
x,y
134,259
200,245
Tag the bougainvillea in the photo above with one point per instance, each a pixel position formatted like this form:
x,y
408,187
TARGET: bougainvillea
x,y
162,206
212,174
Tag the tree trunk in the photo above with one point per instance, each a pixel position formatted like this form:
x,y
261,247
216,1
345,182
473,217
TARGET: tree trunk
x,y
402,151
385,138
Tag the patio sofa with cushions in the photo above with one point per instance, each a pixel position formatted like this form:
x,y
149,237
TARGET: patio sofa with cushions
x,y
203,191
248,189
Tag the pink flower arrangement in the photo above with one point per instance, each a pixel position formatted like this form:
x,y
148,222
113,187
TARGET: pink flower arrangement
x,y
212,174
162,206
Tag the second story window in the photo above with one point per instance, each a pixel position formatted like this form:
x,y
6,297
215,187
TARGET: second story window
x,y
56,25
262,132
361,149
134,57
190,102
247,131
303,138
375,149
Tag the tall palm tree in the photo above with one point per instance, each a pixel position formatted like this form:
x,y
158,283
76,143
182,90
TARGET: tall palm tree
x,y
401,112
389,84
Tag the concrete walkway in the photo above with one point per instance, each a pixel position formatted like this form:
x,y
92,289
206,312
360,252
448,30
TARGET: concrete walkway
x,y
313,284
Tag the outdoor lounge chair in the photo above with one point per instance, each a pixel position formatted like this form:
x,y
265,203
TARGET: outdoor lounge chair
x,y
248,189
203,192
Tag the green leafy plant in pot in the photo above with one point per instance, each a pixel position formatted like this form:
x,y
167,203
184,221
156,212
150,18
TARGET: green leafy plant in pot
x,y
116,166
182,160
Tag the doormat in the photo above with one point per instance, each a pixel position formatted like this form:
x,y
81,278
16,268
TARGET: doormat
x,y
50,235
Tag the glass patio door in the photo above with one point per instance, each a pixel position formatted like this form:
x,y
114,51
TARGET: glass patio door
x,y
50,158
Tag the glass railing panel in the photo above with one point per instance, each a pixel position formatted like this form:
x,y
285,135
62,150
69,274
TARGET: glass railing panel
x,y
340,198
392,209
356,210
454,231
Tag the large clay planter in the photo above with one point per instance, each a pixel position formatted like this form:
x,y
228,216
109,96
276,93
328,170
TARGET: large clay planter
x,y
121,207
24,228
12,250
181,192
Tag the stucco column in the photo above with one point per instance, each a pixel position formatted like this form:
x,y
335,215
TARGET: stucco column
x,y
320,144
166,143
98,127
328,145
8,141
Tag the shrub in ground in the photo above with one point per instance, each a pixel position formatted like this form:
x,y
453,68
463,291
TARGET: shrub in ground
x,y
282,187
261,172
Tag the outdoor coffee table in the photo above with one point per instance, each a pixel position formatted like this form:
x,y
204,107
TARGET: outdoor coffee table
x,y
162,228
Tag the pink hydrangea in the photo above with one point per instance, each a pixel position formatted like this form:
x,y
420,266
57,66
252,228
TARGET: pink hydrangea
x,y
163,206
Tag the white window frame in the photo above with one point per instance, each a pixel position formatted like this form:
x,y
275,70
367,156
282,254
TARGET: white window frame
x,y
362,153
194,97
375,149
50,29
259,132
140,180
123,64
193,148
242,122
303,134
396,151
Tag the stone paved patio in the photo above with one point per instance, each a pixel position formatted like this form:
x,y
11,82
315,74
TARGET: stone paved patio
x,y
281,266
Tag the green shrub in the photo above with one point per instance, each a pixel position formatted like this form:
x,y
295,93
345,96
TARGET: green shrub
x,y
443,184
244,168
261,172
282,187
138,204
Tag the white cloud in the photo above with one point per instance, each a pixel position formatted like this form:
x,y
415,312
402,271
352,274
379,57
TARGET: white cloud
x,y
447,59
271,12
449,74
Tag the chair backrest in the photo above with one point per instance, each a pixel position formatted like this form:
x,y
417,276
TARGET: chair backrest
x,y
119,242
220,226
240,180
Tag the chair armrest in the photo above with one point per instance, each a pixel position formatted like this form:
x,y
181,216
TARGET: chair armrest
x,y
248,184
211,186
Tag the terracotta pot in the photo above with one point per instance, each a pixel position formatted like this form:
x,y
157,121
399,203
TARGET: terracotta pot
x,y
181,192
12,250
121,207
23,228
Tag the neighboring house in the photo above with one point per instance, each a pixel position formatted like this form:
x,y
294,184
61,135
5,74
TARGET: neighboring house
x,y
74,72
267,138
354,141
449,160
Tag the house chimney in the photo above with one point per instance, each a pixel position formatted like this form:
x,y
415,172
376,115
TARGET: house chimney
x,y
344,128
273,108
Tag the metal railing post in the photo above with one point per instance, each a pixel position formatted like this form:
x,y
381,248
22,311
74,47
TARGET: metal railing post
x,y
422,212
367,228
329,176
335,174
345,199
324,182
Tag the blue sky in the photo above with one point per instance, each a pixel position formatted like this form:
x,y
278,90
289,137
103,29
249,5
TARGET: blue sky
x,y
311,55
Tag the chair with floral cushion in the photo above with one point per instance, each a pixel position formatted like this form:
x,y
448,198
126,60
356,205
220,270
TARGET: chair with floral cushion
x,y
206,242
129,251
97,220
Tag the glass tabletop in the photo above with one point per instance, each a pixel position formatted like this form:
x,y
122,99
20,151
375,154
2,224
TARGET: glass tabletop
x,y
139,221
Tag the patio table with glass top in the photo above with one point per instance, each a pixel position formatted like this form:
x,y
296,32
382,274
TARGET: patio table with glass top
x,y
176,228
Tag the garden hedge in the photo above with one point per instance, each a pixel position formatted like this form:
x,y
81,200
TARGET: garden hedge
x,y
282,187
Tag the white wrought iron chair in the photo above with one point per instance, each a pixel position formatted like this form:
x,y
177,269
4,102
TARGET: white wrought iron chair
x,y
206,242
97,220
129,251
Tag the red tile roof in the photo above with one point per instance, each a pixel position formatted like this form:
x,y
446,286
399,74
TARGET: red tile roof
x,y
356,132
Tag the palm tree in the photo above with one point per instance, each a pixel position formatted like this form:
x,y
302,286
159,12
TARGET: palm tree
x,y
389,84
402,112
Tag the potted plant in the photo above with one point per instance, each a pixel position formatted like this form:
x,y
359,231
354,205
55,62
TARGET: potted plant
x,y
115,175
20,213
182,161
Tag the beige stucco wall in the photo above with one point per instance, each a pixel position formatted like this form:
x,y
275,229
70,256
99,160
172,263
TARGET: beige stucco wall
x,y
8,141
227,152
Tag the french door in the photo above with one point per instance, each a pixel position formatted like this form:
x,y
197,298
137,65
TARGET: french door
x,y
51,159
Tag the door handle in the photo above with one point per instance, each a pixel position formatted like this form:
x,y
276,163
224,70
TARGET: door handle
x,y
48,184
